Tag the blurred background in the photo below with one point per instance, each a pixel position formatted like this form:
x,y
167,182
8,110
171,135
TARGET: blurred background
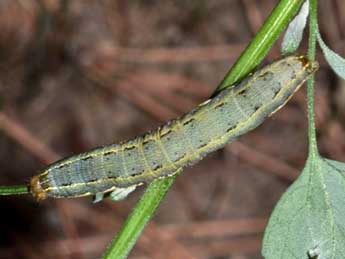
x,y
79,74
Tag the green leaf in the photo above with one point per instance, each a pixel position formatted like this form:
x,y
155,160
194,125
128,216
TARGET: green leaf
x,y
336,62
309,220
294,33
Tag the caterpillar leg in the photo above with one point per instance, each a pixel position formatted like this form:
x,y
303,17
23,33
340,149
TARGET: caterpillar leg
x,y
98,197
121,193
116,195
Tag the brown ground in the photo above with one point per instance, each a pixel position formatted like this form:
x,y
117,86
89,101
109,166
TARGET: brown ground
x,y
79,74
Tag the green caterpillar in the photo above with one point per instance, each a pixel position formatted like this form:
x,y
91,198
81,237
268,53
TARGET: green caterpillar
x,y
117,169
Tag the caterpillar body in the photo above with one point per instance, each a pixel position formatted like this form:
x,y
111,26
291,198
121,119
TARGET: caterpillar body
x,y
119,168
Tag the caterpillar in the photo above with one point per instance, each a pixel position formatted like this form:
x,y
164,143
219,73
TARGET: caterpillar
x,y
117,169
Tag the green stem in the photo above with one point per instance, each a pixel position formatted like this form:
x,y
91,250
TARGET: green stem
x,y
155,192
313,150
14,190
256,50
141,214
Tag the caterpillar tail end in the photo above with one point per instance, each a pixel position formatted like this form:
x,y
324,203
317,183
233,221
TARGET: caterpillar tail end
x,y
36,189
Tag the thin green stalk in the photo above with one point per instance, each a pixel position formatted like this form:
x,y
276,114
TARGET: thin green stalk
x,y
256,50
14,190
131,229
155,192
313,150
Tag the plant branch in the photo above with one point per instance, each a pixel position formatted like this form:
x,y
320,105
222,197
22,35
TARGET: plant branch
x,y
313,150
14,190
262,42
132,228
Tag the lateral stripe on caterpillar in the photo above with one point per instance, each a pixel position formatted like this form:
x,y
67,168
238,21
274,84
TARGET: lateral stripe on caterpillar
x,y
181,142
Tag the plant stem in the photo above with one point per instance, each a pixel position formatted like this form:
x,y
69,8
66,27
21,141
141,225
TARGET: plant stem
x,y
155,192
313,150
141,214
14,190
256,50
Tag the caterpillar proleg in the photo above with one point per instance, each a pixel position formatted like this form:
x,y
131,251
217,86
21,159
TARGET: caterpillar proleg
x,y
119,168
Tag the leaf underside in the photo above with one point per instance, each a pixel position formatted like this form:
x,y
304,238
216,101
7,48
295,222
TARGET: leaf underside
x,y
309,220
294,33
